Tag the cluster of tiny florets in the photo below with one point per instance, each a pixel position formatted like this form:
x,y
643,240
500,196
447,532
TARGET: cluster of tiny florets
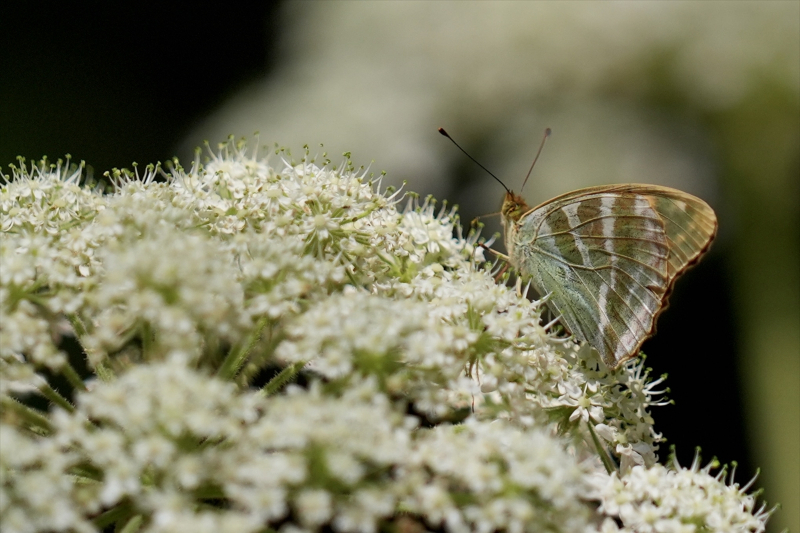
x,y
281,346
658,499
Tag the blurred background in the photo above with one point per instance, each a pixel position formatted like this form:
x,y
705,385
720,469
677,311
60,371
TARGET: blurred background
x,y
702,96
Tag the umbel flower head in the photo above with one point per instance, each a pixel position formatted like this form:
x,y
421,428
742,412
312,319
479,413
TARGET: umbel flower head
x,y
280,346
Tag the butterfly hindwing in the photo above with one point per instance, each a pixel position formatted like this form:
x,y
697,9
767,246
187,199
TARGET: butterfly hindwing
x,y
608,257
690,224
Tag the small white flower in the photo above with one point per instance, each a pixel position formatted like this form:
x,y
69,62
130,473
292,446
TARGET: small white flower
x,y
314,507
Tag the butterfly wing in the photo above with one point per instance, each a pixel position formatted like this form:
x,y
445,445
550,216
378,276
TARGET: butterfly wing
x,y
609,256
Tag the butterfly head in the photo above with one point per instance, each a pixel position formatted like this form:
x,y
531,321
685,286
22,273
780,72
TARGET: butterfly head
x,y
514,206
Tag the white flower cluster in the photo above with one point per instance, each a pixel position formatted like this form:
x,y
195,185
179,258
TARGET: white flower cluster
x,y
183,437
198,298
666,500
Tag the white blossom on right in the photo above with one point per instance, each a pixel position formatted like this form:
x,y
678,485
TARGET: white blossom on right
x,y
660,499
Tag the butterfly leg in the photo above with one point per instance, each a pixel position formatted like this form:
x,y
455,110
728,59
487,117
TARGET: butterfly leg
x,y
518,287
500,256
499,275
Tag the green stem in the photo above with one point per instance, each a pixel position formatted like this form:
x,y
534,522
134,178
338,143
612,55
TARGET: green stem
x,y
33,417
115,514
103,372
601,451
133,525
85,474
236,357
146,333
51,394
351,277
73,377
77,326
284,376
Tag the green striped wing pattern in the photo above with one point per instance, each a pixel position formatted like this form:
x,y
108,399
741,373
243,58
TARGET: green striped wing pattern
x,y
608,257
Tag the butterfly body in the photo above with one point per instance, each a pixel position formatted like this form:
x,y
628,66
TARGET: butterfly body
x,y
608,257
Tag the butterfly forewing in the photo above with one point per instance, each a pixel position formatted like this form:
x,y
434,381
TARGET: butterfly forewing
x,y
608,257
689,222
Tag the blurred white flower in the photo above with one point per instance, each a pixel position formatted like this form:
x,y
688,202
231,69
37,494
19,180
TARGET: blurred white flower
x,y
496,73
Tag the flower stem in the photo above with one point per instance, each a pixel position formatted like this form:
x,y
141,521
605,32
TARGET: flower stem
x,y
53,395
132,525
115,514
79,328
32,417
73,377
283,377
601,451
236,357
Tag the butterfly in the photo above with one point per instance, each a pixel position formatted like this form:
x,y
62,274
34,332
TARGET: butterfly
x,y
607,257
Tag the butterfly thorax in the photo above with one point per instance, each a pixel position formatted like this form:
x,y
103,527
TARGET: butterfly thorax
x,y
514,207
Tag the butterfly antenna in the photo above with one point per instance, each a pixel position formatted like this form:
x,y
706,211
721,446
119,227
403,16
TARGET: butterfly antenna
x,y
547,133
441,130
